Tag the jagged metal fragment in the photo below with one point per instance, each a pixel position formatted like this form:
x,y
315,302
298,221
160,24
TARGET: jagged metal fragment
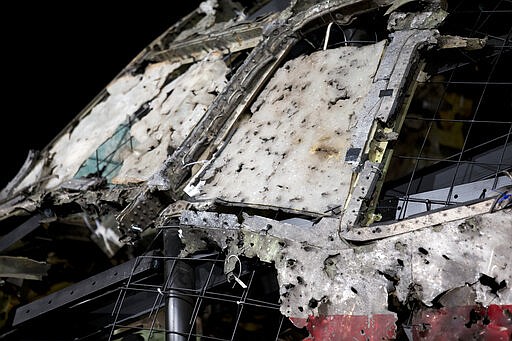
x,y
450,42
422,20
314,265
225,39
22,267
365,234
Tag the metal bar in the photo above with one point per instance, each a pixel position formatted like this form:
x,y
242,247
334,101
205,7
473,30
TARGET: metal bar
x,y
279,328
470,83
120,299
241,304
452,161
502,156
455,120
82,290
19,232
199,300
179,306
134,307
448,158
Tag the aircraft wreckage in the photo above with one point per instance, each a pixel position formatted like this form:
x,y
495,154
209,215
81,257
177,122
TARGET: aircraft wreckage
x,y
321,170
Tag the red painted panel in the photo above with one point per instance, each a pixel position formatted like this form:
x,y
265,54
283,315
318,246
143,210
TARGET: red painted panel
x,y
464,323
349,327
449,323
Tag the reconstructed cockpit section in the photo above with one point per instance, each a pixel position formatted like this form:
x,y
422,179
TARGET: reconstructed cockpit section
x,y
344,164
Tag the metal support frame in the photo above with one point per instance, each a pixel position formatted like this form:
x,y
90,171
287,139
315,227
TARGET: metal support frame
x,y
179,275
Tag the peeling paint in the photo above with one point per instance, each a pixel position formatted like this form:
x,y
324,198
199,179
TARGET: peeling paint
x,y
349,327
491,323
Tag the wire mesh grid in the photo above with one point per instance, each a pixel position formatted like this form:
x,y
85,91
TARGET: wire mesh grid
x,y
215,307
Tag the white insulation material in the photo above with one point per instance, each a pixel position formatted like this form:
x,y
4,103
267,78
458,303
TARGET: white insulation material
x,y
290,152
175,109
126,95
174,113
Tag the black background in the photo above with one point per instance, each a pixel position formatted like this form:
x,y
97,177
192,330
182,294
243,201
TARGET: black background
x,y
56,57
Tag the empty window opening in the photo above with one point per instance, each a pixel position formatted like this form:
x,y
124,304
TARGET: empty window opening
x,y
455,144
